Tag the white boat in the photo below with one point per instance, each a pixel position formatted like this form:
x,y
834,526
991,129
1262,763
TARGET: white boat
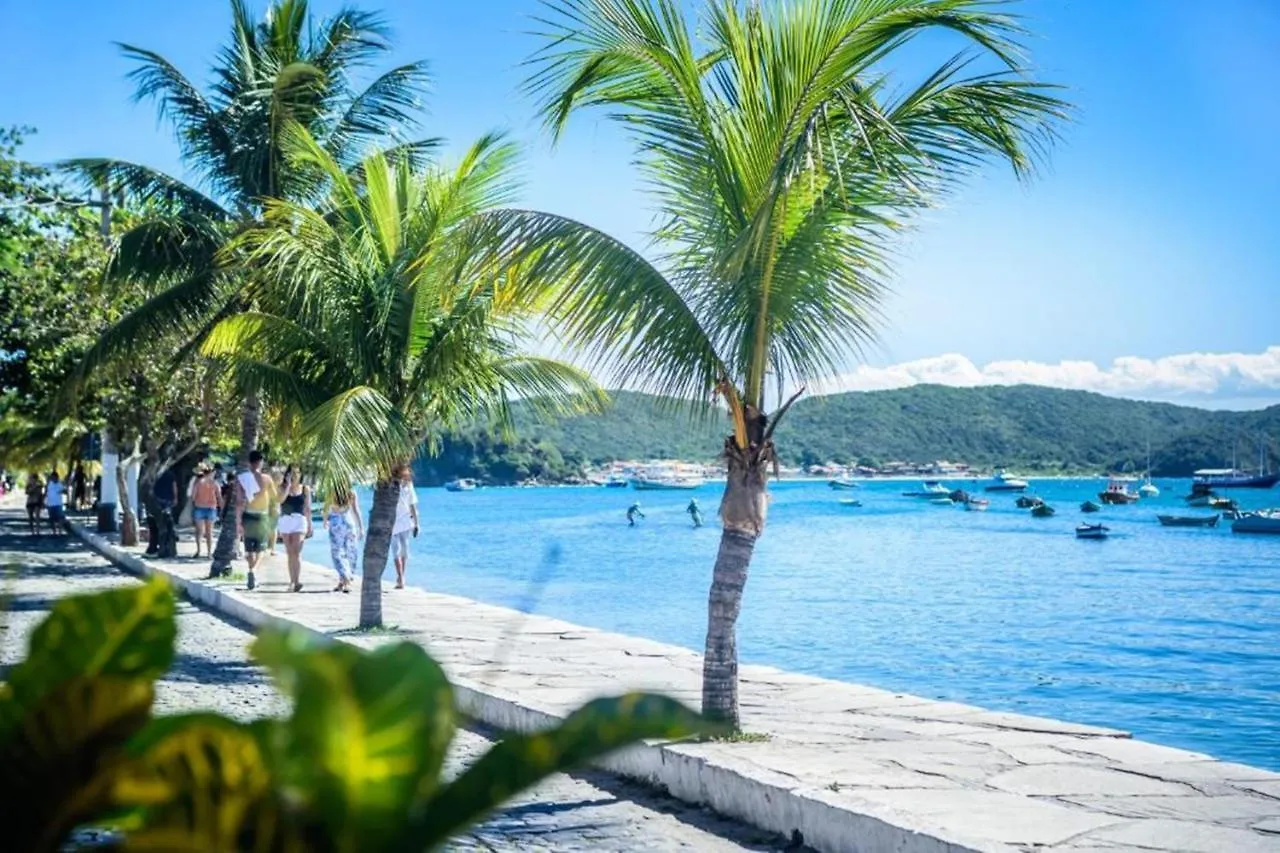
x,y
1002,482
460,485
977,505
930,489
944,500
844,483
655,484
1149,489
850,502
1092,531
1262,521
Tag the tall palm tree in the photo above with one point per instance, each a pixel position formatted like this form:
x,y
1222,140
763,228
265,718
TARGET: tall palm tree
x,y
783,157
385,319
285,68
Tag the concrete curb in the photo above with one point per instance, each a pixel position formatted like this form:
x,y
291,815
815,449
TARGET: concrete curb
x,y
770,801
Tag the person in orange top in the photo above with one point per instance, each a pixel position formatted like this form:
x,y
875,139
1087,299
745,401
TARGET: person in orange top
x,y
206,502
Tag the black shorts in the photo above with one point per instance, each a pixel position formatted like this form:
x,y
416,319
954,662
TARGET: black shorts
x,y
56,515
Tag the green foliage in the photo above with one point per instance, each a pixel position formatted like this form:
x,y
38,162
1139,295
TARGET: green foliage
x,y
355,767
1025,427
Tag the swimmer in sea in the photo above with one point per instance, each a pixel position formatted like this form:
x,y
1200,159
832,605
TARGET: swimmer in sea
x,y
632,512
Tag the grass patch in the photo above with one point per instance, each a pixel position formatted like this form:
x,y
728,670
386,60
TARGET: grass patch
x,y
737,737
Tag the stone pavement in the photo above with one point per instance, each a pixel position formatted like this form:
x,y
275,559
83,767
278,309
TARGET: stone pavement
x,y
212,672
849,768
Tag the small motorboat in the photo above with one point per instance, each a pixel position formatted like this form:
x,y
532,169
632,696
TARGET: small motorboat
x,y
1262,521
977,505
843,484
1042,510
850,502
616,482
460,485
1117,492
1149,489
1028,501
944,500
1188,520
1089,506
1002,482
1225,504
1092,531
930,489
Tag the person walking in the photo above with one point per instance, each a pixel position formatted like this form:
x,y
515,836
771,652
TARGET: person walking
x,y
295,521
346,529
79,488
257,494
695,512
54,498
206,503
406,522
633,512
35,501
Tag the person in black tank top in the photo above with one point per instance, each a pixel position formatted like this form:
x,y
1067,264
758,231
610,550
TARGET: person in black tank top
x,y
295,522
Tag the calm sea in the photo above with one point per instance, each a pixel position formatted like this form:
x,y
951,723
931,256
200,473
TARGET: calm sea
x,y
1173,634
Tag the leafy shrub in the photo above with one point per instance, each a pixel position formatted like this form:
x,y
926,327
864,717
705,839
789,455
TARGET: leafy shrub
x,y
356,766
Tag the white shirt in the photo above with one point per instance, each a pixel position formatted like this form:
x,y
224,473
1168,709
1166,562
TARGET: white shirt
x,y
408,499
53,494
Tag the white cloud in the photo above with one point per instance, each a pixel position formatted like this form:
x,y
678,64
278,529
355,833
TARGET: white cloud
x,y
1199,376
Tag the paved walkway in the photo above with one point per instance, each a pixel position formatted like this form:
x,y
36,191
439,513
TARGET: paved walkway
x,y
588,811
851,768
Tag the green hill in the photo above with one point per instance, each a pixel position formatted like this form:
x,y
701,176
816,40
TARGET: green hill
x,y
1023,427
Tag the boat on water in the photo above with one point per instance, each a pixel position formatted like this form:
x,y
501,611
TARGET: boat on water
x,y
930,489
1002,482
1189,520
1028,501
667,484
616,482
942,500
1089,506
1148,489
977,505
462,484
1118,492
1262,521
1092,531
850,502
1232,478
1042,510
1224,504
843,483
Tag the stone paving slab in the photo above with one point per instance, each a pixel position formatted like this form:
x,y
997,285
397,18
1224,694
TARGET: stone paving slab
x,y
852,769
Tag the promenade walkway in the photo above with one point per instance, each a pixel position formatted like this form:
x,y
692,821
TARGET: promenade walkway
x,y
591,810
845,767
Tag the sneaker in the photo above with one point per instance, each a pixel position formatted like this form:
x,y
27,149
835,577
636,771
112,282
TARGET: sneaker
x,y
251,582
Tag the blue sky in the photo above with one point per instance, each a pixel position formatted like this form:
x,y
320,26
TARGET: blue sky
x,y
1152,237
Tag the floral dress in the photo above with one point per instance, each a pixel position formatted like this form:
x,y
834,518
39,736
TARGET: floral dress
x,y
342,542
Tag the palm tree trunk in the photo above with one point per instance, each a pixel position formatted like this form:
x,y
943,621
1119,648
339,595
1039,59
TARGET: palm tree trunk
x,y
250,425
377,545
742,511
128,521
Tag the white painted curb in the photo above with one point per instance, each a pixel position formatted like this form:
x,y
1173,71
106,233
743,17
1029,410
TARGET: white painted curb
x,y
755,796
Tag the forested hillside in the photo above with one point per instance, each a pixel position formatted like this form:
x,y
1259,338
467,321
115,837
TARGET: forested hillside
x,y
1022,427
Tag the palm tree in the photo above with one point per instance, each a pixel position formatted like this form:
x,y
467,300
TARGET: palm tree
x,y
783,157
385,319
285,68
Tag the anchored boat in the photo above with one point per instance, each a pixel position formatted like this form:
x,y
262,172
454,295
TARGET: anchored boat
x,y
1089,506
930,489
1262,521
1092,531
1117,492
1042,510
843,483
1189,520
1002,482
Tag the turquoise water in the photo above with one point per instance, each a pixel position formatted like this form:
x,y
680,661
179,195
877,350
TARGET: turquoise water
x,y
1173,634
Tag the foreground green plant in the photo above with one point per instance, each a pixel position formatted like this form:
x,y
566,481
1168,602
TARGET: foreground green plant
x,y
356,766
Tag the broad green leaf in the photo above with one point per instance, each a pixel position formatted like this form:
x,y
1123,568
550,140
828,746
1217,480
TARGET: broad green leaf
x,y
206,786
127,633
520,761
56,769
368,735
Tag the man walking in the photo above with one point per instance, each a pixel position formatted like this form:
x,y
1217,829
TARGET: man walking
x,y
257,494
406,522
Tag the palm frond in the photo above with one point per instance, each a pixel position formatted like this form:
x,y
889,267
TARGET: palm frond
x,y
145,185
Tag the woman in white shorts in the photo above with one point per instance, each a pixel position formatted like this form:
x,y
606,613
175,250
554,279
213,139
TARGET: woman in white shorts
x,y
295,522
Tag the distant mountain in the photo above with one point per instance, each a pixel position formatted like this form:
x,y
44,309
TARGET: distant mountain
x,y
1022,427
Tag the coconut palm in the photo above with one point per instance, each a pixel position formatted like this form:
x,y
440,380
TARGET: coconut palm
x,y
285,68
384,320
783,157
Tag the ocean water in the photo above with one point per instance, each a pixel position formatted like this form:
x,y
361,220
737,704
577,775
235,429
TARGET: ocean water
x,y
1173,634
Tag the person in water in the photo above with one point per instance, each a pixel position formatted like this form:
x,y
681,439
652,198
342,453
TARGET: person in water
x,y
694,512
633,512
